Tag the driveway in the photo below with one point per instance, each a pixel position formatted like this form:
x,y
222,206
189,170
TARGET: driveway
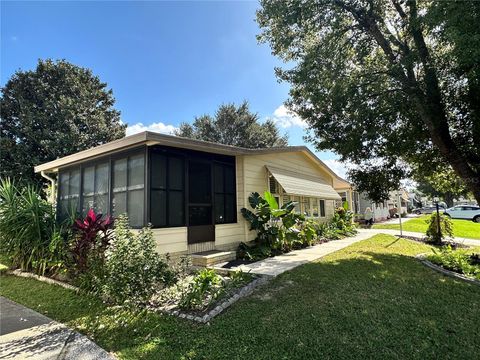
x,y
26,334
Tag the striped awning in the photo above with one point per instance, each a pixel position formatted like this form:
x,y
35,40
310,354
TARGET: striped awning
x,y
295,183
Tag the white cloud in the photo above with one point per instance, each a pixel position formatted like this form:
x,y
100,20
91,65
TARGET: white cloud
x,y
155,127
286,118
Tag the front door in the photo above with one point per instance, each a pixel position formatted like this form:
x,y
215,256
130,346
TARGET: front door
x,y
200,209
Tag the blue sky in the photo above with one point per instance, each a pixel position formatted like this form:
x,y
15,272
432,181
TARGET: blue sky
x,y
166,62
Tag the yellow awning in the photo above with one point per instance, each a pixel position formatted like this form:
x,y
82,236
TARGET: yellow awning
x,y
295,183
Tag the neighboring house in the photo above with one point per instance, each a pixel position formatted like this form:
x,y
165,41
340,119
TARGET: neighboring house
x,y
190,191
358,202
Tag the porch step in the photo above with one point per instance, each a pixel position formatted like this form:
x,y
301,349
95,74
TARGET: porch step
x,y
209,258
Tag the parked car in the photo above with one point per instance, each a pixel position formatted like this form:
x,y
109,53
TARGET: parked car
x,y
464,212
427,210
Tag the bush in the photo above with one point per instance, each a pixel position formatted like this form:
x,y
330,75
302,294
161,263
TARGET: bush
x,y
456,260
446,228
133,270
29,234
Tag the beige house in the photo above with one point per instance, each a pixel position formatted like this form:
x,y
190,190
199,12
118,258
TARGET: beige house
x,y
190,191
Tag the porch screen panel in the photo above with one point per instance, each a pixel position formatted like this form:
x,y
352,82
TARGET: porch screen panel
x,y
69,193
225,205
95,188
167,193
119,187
135,189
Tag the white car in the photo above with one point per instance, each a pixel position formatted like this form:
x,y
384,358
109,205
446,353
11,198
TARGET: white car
x,y
464,212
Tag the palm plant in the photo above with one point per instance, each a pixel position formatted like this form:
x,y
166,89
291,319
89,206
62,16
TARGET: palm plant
x,y
27,228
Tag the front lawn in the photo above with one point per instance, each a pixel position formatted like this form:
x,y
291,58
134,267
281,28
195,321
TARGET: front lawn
x,y
461,228
371,300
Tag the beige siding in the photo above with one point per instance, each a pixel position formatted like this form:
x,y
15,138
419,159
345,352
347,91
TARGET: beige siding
x,y
256,178
228,236
171,240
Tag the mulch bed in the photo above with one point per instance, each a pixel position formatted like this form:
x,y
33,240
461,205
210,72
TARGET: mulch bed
x,y
424,240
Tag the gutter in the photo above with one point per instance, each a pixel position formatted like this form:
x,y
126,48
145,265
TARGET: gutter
x,y
54,183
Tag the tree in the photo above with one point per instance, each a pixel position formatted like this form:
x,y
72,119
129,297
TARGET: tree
x,y
443,183
236,126
384,80
377,181
52,111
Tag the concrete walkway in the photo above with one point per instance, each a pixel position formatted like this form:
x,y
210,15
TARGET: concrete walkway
x,y
279,264
396,221
26,334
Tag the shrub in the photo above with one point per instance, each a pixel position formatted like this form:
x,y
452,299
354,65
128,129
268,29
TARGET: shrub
x,y
29,234
91,240
456,260
204,289
133,270
446,228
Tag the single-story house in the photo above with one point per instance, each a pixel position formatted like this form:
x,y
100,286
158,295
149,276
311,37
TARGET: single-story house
x,y
190,191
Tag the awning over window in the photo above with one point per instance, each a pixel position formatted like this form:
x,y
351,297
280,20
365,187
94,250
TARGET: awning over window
x,y
294,183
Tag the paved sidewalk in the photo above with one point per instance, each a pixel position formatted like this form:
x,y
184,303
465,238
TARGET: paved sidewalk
x,y
396,221
460,240
26,334
279,264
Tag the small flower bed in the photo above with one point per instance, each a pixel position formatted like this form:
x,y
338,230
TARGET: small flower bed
x,y
460,261
200,291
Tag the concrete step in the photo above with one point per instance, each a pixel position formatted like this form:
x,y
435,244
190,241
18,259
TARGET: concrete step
x,y
210,258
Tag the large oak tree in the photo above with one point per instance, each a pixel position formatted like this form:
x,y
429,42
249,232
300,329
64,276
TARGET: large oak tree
x,y
52,111
384,81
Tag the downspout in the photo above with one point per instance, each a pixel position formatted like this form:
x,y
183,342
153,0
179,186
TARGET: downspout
x,y
52,180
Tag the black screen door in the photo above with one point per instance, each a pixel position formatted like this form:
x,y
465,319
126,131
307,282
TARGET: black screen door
x,y
200,209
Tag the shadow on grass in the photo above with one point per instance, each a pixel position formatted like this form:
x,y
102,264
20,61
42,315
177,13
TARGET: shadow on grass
x,y
364,304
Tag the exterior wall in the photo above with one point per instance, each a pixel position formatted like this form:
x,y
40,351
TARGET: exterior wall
x,y
256,177
171,240
251,176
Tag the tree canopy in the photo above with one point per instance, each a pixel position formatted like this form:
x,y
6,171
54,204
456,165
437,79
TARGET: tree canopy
x,y
52,111
234,125
392,81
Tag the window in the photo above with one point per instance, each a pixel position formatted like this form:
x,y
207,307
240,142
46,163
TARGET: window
x,y
68,193
224,185
95,188
167,196
315,211
298,205
322,208
306,206
128,186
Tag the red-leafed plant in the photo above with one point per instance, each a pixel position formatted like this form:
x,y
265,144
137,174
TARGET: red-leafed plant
x,y
92,239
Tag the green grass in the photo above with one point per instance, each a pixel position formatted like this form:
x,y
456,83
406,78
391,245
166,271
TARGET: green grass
x,y
372,300
461,228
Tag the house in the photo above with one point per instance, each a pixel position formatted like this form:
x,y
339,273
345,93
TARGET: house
x,y
190,191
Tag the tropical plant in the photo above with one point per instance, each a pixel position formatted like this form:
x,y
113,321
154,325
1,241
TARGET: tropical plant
x,y
439,227
133,270
91,240
29,234
277,227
